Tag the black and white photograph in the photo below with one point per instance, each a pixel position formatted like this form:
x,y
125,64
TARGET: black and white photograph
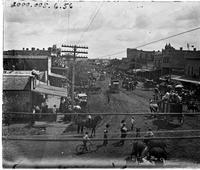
x,y
100,84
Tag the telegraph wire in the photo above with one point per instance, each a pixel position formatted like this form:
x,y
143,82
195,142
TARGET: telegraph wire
x,y
104,113
153,42
14,138
97,11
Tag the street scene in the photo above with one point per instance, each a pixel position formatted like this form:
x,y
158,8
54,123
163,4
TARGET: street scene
x,y
101,85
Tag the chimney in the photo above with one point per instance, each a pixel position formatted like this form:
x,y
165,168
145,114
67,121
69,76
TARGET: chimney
x,y
33,49
181,48
194,49
26,49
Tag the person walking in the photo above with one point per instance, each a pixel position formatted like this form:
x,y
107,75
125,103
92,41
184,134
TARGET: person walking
x,y
54,109
122,123
123,133
132,122
105,137
33,116
108,96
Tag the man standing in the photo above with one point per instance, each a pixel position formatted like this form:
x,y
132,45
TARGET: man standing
x,y
54,109
105,137
132,122
123,133
108,96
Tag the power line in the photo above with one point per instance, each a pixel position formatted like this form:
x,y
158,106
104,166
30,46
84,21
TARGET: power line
x,y
152,42
9,138
128,133
97,11
131,113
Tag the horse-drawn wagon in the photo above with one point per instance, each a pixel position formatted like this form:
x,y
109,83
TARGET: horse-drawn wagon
x,y
114,86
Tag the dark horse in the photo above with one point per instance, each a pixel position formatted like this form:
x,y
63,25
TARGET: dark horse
x,y
149,148
90,124
138,149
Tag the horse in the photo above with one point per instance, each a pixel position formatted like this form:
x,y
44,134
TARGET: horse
x,y
155,143
88,123
149,148
137,150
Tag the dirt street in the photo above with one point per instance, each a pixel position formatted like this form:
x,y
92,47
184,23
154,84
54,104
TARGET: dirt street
x,y
22,152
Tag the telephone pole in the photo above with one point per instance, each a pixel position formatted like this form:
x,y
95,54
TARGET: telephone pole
x,y
74,57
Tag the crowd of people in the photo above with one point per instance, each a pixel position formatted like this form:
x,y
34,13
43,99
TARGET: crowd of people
x,y
58,62
129,83
123,133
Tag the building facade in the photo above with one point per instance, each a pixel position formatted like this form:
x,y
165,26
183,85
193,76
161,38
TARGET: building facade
x,y
18,95
142,59
176,61
192,67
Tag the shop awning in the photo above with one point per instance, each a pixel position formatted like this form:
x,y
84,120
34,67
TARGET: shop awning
x,y
59,76
51,90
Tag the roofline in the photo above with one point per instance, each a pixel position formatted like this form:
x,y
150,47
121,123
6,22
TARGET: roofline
x,y
26,56
22,75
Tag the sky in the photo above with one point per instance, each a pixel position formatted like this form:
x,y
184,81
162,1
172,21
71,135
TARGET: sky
x,y
105,27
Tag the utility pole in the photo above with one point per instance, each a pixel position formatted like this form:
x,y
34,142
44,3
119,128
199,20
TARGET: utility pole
x,y
75,52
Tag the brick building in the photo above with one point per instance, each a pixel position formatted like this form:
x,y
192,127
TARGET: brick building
x,y
143,59
192,66
177,61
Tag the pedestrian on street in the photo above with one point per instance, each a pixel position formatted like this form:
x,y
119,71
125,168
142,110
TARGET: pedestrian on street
x,y
54,109
108,96
122,123
123,133
33,116
132,122
105,137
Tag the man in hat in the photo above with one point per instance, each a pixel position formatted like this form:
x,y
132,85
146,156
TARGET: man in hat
x,y
132,122
123,133
105,137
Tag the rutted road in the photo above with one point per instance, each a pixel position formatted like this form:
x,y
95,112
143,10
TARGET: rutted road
x,y
63,153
